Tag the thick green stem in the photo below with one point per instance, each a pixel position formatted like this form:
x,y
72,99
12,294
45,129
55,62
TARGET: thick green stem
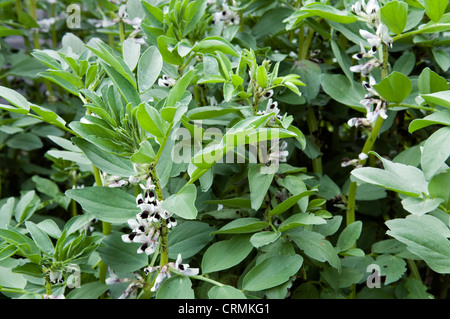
x,y
121,33
313,126
106,228
413,268
350,216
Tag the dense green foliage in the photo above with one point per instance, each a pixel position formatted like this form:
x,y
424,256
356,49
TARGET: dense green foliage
x,y
210,149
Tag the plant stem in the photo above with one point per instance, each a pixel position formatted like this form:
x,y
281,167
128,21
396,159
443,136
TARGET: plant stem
x,y
413,268
106,228
121,33
350,215
314,127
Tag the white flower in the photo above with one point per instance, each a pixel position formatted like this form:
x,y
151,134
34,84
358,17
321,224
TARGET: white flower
x,y
113,279
373,39
226,16
268,94
357,122
56,277
383,35
45,24
272,107
365,68
278,153
122,14
184,268
363,53
166,81
148,242
363,156
347,162
369,12
171,222
159,278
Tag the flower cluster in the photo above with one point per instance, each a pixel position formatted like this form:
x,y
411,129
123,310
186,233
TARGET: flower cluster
x,y
131,289
146,226
374,104
225,15
164,271
166,81
370,13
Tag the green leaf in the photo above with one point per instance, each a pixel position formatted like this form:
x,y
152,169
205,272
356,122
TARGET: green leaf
x,y
321,10
145,154
14,98
394,15
434,155
441,98
131,50
111,205
225,292
26,246
264,238
91,290
405,63
394,88
11,280
235,249
213,78
25,141
123,85
194,13
425,236
315,246
241,226
166,46
259,184
177,91
65,79
288,203
107,162
439,187
442,58
207,112
431,82
404,179
272,272
435,9
177,287
149,67
302,219
417,289
41,239
107,54
339,88
189,238
120,256
261,76
183,203
150,120
213,44
441,117
347,238
26,206
419,206
295,184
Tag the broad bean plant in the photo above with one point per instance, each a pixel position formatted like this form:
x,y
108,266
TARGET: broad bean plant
x,y
288,149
